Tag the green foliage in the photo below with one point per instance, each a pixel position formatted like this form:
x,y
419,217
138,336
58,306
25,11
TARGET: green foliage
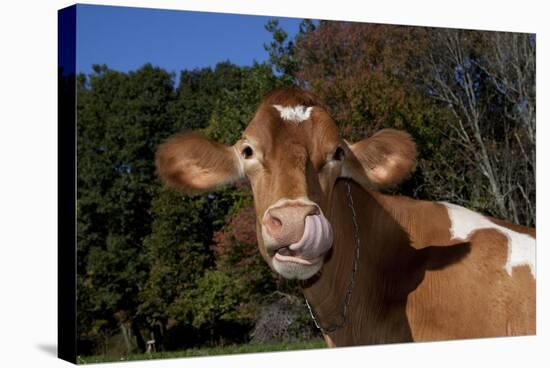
x,y
282,51
144,252
199,91
177,251
233,291
218,298
121,119
236,106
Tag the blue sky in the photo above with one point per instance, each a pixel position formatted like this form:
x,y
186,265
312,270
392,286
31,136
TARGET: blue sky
x,y
126,38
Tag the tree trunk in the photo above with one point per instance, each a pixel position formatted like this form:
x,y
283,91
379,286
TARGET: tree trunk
x,y
127,338
139,337
158,330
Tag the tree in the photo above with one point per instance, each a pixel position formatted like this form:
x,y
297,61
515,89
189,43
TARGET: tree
x,y
121,119
510,65
492,123
234,108
192,290
367,74
199,91
179,254
281,49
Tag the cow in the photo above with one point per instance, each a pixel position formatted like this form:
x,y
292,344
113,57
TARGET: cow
x,y
374,268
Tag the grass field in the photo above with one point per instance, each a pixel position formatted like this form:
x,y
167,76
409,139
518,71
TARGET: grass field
x,y
223,350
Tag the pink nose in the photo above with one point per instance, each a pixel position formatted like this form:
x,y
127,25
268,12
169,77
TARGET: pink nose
x,y
286,224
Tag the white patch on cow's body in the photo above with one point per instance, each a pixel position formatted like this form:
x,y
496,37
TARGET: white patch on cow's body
x,y
295,114
521,247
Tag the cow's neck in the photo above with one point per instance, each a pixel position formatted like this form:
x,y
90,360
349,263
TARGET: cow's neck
x,y
388,269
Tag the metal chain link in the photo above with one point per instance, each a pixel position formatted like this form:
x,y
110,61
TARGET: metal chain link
x,y
351,284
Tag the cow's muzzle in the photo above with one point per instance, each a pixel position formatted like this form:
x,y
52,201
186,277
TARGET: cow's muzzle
x,y
296,235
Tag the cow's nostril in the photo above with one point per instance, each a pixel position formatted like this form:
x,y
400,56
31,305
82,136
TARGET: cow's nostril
x,y
284,224
275,222
313,210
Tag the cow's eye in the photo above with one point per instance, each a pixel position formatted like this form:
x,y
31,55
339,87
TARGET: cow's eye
x,y
338,154
247,152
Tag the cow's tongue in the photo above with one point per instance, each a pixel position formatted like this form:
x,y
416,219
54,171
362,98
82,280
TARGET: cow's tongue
x,y
316,240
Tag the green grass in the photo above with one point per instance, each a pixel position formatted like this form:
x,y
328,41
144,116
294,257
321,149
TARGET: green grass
x,y
222,350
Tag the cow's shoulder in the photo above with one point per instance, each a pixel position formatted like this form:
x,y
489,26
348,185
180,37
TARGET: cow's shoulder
x,y
519,241
426,222
443,224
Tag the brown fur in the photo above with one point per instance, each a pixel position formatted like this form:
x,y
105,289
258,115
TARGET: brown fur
x,y
193,163
385,159
291,97
414,283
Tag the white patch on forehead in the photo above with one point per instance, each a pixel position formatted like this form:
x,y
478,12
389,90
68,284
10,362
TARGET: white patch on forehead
x,y
521,247
295,114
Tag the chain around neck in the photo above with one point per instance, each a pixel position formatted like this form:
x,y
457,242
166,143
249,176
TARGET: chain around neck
x,y
351,285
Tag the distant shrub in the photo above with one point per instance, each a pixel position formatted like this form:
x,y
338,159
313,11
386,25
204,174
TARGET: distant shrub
x,y
284,320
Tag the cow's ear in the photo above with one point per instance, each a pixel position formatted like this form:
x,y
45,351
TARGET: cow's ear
x,y
382,160
193,163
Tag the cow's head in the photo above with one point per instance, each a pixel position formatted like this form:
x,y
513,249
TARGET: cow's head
x,y
292,155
